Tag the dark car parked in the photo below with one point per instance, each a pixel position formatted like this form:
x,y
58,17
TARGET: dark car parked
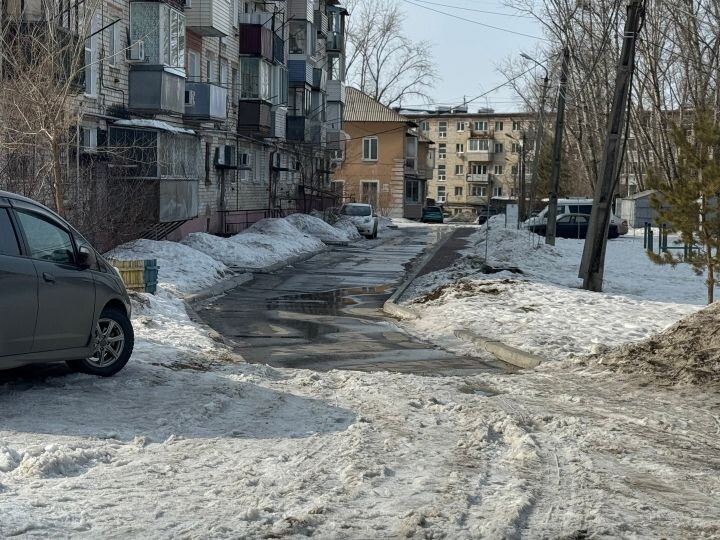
x,y
60,301
483,214
432,214
572,226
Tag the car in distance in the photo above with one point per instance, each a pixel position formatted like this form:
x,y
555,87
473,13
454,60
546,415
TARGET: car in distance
x,y
572,226
576,206
483,214
432,214
60,301
363,218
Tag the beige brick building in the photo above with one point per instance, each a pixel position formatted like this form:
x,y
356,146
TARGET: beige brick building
x,y
478,156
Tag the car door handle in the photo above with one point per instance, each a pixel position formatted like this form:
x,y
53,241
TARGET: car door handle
x,y
48,277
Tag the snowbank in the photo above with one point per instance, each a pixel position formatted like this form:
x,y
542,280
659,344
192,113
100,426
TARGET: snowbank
x,y
318,228
348,227
182,269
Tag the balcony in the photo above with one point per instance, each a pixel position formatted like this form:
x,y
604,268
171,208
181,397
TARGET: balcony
x,y
481,156
321,23
319,79
259,18
479,178
336,91
153,89
482,133
300,72
205,102
335,42
255,118
476,199
278,49
256,40
302,129
300,9
336,139
279,122
211,18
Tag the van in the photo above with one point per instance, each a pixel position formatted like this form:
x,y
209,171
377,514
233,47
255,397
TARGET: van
x,y
567,207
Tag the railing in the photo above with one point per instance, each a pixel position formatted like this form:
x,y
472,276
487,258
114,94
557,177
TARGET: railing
x,y
235,221
481,178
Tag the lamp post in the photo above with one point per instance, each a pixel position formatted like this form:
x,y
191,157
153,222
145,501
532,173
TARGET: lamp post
x,y
539,134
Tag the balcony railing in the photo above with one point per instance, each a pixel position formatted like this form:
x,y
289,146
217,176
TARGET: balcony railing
x,y
155,90
205,101
479,178
261,18
256,40
335,42
255,117
278,49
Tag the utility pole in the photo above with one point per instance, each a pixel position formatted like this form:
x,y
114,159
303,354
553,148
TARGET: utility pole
x,y
521,184
593,262
557,151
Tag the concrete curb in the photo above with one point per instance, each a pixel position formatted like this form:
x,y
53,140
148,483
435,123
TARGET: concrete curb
x,y
391,307
219,288
506,353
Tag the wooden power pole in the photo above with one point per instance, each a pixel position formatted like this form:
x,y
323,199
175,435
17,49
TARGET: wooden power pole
x,y
593,261
557,151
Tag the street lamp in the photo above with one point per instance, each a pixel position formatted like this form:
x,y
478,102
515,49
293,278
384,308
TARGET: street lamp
x,y
540,130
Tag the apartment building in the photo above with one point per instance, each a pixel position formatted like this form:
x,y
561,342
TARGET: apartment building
x,y
217,112
478,156
387,162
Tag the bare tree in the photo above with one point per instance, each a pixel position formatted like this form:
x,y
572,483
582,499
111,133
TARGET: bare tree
x,y
381,60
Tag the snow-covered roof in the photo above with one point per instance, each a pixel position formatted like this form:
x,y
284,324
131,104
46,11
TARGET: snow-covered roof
x,y
154,124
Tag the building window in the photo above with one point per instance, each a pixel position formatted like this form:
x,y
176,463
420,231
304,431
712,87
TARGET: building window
x,y
425,125
481,125
442,129
458,191
369,193
224,72
478,145
499,126
254,79
461,126
193,66
477,168
516,147
442,151
370,149
497,191
412,191
234,85
441,172
338,188
514,169
499,147
478,191
441,194
517,126
498,169
162,29
460,148
91,65
115,48
459,170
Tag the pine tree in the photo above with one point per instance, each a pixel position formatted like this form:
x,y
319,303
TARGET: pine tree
x,y
689,205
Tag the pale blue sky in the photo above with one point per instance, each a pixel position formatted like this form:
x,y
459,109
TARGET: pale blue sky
x,y
468,54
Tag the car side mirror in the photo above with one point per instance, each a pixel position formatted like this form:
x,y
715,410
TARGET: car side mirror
x,y
85,258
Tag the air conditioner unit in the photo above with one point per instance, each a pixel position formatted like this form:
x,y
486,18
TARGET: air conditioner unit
x,y
189,98
226,156
136,52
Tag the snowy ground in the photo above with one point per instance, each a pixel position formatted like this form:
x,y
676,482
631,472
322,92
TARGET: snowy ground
x,y
190,442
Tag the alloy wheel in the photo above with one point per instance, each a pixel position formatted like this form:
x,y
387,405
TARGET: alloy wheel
x,y
109,342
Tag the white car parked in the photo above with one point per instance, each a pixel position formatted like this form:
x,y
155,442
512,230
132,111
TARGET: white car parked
x,y
363,218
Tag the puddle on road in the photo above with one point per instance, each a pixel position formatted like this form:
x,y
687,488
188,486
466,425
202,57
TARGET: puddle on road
x,y
330,302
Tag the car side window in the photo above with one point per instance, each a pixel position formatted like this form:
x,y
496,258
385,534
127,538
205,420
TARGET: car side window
x,y
8,240
581,219
564,219
46,240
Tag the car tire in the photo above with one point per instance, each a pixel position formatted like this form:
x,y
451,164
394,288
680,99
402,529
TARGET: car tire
x,y
113,339
374,234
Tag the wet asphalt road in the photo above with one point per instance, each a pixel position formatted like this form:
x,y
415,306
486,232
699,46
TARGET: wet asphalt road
x,y
326,313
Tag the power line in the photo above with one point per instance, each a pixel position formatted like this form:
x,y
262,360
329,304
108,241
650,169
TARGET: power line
x,y
477,10
475,22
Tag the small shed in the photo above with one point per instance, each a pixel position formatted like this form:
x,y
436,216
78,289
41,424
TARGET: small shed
x,y
637,209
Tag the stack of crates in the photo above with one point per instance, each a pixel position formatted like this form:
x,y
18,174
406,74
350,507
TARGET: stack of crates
x,y
139,276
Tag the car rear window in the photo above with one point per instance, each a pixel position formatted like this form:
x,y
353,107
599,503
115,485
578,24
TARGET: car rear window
x,y
8,240
356,211
432,209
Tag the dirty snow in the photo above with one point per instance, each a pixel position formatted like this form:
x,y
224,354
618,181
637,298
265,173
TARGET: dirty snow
x,y
181,268
318,228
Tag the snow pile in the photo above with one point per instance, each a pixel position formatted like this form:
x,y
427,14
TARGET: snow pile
x,y
182,269
318,228
348,227
286,237
689,351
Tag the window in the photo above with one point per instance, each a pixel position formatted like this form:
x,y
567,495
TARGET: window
x,y
514,169
459,170
499,147
338,187
478,191
441,197
193,66
254,79
370,149
461,126
425,125
46,240
458,191
115,47
517,125
224,72
162,29
499,126
8,241
442,151
412,191
235,12
211,71
441,172
477,168
442,129
497,192
516,147
91,64
460,148
369,193
498,169
234,85
481,125
478,145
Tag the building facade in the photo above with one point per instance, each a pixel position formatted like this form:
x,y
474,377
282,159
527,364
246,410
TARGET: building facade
x,y
387,162
214,113
478,156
